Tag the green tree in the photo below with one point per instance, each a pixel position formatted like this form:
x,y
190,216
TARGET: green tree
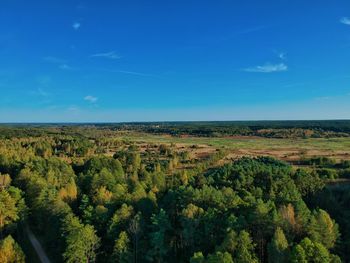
x,y
307,183
8,209
158,237
323,229
120,219
121,250
81,241
86,210
135,231
309,251
191,218
230,242
245,249
219,257
278,247
298,255
197,258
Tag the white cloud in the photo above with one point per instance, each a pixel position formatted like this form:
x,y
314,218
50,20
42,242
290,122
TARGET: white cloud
x,y
268,68
90,98
110,55
76,25
345,21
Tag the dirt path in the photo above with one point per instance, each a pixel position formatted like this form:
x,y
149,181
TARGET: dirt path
x,y
37,246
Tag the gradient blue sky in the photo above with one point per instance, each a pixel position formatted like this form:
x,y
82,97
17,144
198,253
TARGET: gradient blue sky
x,y
69,61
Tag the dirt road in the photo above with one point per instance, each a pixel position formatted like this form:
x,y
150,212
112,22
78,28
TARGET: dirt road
x,y
37,246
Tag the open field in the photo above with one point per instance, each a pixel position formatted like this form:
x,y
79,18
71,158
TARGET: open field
x,y
285,149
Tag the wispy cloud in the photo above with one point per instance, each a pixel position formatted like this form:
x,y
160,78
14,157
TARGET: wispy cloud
x,y
322,98
135,73
39,92
282,55
42,96
42,92
66,67
76,25
62,63
44,80
109,55
240,33
252,29
292,85
54,60
345,21
73,109
268,68
90,98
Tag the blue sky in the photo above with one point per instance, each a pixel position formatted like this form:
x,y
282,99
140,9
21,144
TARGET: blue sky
x,y
97,61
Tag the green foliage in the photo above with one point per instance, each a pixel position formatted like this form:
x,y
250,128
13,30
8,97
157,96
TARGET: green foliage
x,y
278,247
102,171
159,236
323,229
230,242
120,219
308,251
326,173
121,250
307,183
161,202
219,257
86,210
197,258
298,255
81,241
244,252
8,209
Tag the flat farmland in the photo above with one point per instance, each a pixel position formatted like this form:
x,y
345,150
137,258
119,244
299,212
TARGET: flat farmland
x,y
284,149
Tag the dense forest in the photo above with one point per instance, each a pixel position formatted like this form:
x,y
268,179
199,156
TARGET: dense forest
x,y
268,129
89,196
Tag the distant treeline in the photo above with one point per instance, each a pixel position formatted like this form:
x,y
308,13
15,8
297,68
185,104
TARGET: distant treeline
x,y
268,129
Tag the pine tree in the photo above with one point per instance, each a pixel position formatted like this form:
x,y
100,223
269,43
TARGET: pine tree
x,y
278,247
323,229
81,241
121,250
161,226
245,249
219,257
